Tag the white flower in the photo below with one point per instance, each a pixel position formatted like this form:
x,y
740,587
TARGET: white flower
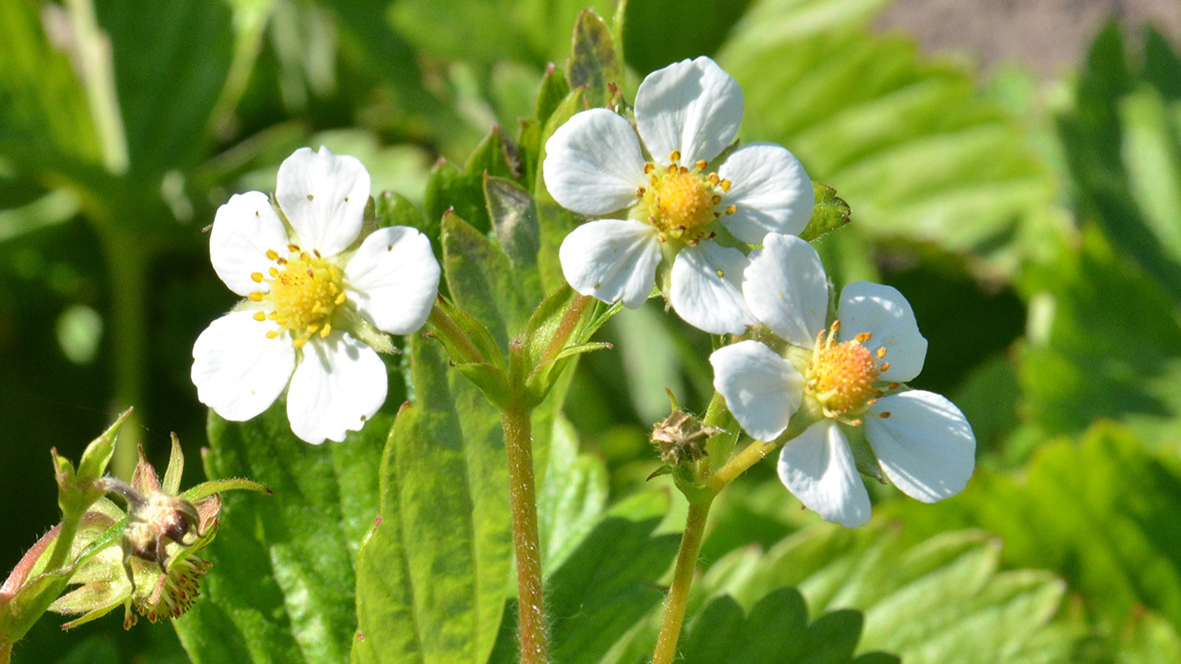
x,y
676,195
854,378
308,283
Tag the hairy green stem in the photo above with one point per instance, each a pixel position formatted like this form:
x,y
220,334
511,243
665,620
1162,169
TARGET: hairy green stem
x,y
678,593
5,651
518,443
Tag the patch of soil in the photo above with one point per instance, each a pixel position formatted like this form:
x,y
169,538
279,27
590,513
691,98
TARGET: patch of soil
x,y
1050,37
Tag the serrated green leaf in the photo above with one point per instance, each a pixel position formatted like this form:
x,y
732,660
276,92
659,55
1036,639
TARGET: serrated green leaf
x,y
1082,364
943,600
395,209
1122,143
281,585
1107,484
435,570
592,64
776,631
572,497
829,214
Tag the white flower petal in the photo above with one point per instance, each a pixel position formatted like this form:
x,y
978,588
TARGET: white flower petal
x,y
324,197
337,387
926,446
612,260
707,288
818,467
762,389
884,312
786,288
692,106
243,230
393,279
238,371
593,163
770,190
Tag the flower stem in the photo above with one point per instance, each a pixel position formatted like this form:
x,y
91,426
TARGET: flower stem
x,y
127,263
5,651
518,443
64,542
678,593
752,454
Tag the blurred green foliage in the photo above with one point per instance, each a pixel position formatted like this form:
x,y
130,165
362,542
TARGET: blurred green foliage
x,y
1037,236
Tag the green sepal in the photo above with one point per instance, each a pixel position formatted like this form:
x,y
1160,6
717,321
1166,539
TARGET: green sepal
x,y
98,453
829,214
480,337
217,486
593,62
355,324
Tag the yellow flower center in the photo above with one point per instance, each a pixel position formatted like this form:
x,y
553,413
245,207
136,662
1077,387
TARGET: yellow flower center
x,y
843,376
682,202
305,291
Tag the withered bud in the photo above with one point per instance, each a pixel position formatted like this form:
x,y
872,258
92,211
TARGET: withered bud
x,y
153,520
681,437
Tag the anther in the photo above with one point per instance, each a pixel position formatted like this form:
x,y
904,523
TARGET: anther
x,y
893,386
715,200
324,331
340,299
731,209
649,167
675,156
257,277
672,168
700,164
260,316
299,342
640,192
317,253
885,366
863,337
885,414
272,334
881,352
274,272
725,184
713,179
272,254
293,248
256,296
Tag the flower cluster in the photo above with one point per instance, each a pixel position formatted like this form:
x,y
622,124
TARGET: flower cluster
x,y
316,290
670,192
847,379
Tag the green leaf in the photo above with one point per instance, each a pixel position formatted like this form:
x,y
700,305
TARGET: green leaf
x,y
776,631
659,32
592,64
572,498
435,569
281,585
1082,363
1122,143
829,214
942,600
916,151
43,109
1050,516
553,90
